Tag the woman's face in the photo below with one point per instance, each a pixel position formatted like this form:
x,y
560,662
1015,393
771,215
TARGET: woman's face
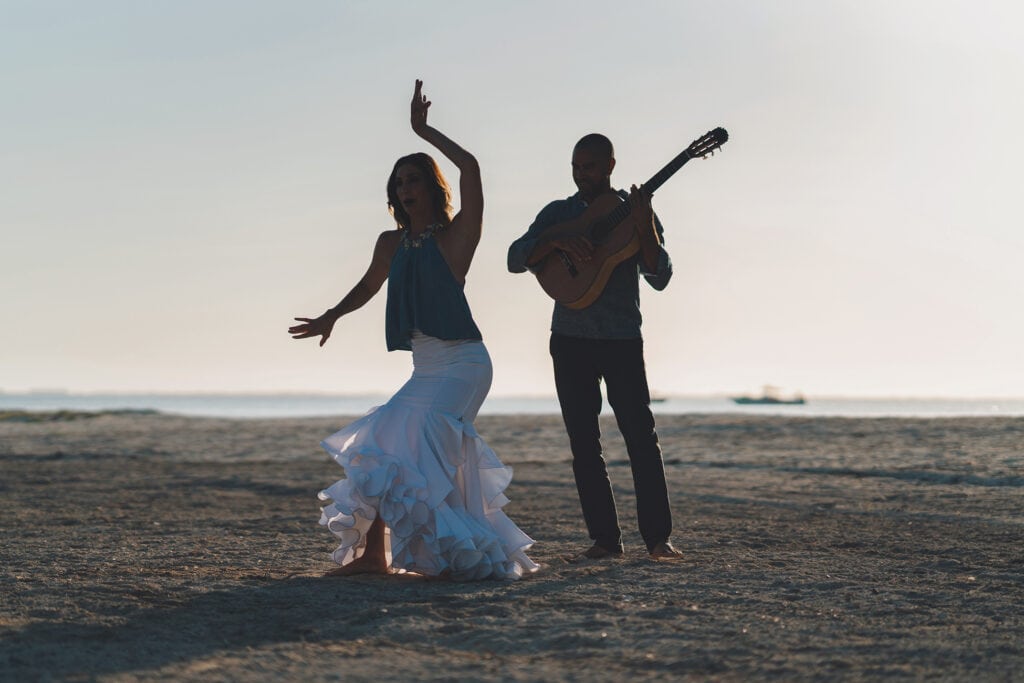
x,y
412,191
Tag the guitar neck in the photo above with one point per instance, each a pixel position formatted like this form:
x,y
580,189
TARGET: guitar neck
x,y
659,178
603,227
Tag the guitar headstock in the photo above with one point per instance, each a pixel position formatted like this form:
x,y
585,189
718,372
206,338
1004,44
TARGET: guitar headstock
x,y
708,143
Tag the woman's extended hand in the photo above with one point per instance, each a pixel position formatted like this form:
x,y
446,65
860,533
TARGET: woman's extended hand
x,y
418,111
314,327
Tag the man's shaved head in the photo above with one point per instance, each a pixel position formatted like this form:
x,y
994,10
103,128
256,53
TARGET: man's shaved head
x,y
596,144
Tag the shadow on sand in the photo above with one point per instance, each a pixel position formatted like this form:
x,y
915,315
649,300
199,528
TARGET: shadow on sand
x,y
264,614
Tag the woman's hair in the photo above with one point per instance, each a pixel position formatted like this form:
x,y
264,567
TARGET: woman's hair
x,y
437,185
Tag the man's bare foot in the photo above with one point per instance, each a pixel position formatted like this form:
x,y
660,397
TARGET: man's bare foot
x,y
595,553
361,565
665,551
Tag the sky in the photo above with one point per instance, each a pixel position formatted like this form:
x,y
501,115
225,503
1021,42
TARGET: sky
x,y
179,180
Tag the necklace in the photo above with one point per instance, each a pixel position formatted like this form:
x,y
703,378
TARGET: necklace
x,y
417,241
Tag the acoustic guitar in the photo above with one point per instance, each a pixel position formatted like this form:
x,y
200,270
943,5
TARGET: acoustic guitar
x,y
577,284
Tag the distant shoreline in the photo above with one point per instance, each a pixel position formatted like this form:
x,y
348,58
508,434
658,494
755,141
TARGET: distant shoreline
x,y
296,405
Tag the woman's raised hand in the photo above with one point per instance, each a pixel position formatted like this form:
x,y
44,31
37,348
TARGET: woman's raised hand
x,y
418,111
314,327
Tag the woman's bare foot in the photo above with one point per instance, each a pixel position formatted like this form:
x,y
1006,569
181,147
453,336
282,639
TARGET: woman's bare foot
x,y
374,558
445,575
415,574
361,565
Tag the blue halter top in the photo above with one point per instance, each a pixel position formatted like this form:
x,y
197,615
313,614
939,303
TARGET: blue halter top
x,y
424,295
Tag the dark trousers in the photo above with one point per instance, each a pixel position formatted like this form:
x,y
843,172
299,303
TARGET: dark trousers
x,y
580,365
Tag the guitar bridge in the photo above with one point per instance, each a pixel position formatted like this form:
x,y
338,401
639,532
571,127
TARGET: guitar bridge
x,y
567,262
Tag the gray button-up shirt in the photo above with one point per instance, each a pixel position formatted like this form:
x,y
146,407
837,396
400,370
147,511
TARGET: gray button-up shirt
x,y
616,313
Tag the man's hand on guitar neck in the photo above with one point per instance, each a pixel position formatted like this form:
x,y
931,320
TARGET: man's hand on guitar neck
x,y
640,207
643,217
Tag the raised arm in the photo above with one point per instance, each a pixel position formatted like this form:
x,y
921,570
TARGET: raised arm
x,y
363,291
471,195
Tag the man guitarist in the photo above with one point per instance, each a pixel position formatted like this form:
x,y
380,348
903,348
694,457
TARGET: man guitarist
x,y
603,341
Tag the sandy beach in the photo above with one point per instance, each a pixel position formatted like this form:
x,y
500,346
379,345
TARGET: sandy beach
x,y
153,547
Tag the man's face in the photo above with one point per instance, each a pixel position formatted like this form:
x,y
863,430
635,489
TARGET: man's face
x,y
591,171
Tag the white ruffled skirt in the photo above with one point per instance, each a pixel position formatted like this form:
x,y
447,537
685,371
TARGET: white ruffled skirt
x,y
419,464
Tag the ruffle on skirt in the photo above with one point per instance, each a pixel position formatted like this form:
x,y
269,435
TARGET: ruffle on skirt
x,y
438,487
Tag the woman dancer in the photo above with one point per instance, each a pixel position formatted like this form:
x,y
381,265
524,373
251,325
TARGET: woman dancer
x,y
421,485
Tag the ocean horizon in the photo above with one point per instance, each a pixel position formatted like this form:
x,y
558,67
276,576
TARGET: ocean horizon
x,y
283,405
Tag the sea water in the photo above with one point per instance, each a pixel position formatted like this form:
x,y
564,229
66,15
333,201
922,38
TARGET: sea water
x,y
314,405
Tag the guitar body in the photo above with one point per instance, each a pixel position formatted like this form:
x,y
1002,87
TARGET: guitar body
x,y
577,284
606,223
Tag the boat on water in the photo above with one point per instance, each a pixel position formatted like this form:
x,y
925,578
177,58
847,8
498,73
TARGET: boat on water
x,y
769,396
